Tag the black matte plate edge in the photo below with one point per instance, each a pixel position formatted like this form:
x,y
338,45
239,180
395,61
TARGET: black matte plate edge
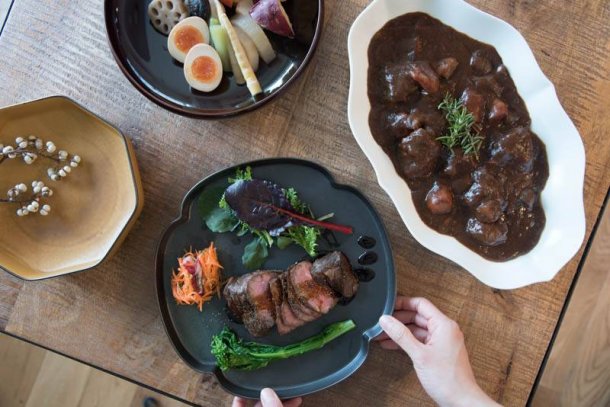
x,y
304,389
201,114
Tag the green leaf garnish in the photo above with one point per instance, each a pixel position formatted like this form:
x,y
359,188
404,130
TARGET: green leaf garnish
x,y
255,253
306,237
221,220
208,200
460,124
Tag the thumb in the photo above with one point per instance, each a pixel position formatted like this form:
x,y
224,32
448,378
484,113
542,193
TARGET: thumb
x,y
270,399
400,334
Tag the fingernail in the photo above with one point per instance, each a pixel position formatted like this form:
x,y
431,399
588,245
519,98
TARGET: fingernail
x,y
385,321
268,396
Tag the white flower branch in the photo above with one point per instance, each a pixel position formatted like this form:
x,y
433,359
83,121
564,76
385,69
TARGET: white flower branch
x,y
32,204
30,150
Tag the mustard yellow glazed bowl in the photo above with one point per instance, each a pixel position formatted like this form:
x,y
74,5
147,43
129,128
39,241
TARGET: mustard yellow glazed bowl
x,y
93,208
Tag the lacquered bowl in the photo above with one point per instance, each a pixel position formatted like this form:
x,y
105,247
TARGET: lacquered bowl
x,y
91,211
141,53
562,197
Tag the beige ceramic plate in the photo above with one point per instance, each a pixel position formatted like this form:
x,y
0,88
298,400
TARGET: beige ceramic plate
x,y
92,210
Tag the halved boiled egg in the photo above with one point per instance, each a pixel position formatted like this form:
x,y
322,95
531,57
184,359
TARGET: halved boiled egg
x,y
185,35
203,68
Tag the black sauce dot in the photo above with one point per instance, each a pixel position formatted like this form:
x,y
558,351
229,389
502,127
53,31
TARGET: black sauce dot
x,y
367,242
367,258
365,274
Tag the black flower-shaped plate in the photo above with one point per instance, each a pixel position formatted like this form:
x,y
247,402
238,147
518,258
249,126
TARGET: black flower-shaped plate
x,y
191,331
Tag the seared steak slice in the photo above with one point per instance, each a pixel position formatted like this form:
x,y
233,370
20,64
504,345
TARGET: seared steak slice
x,y
299,307
318,297
259,296
235,294
285,319
249,298
335,271
277,296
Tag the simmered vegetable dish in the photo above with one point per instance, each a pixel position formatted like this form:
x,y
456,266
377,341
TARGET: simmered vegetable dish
x,y
446,111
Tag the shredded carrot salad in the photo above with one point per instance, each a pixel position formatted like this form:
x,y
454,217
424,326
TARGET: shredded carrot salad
x,y
197,278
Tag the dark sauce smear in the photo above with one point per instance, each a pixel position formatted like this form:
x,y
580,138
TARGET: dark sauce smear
x,y
490,202
367,258
367,242
364,274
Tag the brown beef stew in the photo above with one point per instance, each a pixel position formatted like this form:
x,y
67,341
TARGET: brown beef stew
x,y
489,201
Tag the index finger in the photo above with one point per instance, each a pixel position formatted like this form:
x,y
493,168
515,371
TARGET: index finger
x,y
420,305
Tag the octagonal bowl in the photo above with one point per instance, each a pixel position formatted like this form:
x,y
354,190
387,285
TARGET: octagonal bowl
x,y
92,209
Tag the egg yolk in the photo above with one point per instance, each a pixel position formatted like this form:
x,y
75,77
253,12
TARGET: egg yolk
x,y
187,37
204,69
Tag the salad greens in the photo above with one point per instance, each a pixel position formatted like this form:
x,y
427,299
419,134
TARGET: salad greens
x,y
270,213
232,352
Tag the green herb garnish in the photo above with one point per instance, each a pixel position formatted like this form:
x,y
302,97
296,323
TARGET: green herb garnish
x,y
460,123
220,218
232,352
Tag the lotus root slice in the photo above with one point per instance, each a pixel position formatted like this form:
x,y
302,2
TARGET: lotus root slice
x,y
165,14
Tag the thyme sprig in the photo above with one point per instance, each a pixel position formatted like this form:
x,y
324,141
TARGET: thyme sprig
x,y
461,128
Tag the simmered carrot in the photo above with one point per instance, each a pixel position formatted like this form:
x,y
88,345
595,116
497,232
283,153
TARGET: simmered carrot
x,y
197,278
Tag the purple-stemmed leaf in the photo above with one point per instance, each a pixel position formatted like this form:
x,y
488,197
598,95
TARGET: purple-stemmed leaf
x,y
263,205
255,202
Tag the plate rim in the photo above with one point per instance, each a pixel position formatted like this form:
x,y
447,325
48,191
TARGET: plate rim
x,y
119,56
162,303
447,246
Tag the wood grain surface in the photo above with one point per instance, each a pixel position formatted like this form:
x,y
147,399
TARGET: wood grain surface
x,y
31,376
577,373
59,47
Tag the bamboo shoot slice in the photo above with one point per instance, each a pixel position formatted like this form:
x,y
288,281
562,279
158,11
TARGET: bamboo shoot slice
x,y
240,54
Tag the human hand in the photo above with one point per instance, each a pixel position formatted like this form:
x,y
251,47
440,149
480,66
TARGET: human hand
x,y
268,399
436,346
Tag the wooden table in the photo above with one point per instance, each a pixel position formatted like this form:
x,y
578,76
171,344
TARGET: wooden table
x,y
59,47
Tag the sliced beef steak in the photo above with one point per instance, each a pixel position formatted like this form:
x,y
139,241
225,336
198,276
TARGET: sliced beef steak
x,y
292,298
316,296
236,295
297,305
335,271
285,318
249,298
